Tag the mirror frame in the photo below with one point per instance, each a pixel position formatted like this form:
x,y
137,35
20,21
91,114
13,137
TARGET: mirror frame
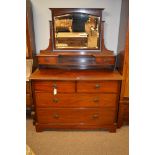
x,y
61,11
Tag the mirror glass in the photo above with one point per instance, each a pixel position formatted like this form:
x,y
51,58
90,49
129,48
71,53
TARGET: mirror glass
x,y
76,31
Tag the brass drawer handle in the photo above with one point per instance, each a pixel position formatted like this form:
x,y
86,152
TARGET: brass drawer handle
x,y
95,116
56,116
97,86
55,100
96,100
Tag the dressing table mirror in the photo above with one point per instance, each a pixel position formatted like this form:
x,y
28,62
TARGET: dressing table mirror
x,y
76,41
76,31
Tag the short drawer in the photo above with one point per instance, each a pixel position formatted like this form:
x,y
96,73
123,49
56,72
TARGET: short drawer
x,y
92,116
61,86
46,99
98,86
47,60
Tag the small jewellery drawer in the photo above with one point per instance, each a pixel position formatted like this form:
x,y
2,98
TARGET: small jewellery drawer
x,y
61,86
93,116
98,86
47,60
46,99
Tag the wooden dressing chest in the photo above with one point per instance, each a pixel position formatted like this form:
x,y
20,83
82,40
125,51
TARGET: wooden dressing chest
x,y
76,85
84,99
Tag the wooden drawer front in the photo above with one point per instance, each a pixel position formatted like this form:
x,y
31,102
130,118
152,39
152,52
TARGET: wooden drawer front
x,y
93,116
105,60
27,87
47,60
61,86
98,86
75,100
28,100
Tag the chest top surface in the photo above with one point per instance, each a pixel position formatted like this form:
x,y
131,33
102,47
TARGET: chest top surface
x,y
61,74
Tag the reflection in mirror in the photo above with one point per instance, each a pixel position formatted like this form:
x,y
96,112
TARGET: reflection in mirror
x,y
76,31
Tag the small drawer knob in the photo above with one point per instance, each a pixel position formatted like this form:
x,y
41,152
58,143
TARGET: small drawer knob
x,y
55,100
97,86
96,99
95,116
56,116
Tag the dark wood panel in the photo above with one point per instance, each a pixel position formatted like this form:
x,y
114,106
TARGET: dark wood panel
x,y
98,86
75,100
93,116
61,86
61,11
52,61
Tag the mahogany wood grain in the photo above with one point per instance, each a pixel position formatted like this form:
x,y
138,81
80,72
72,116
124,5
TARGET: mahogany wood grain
x,y
98,86
126,113
30,52
47,60
41,127
60,74
123,114
93,116
61,86
44,99
28,100
30,35
105,60
28,87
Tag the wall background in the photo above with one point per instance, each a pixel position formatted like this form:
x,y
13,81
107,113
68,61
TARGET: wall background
x,y
123,25
42,15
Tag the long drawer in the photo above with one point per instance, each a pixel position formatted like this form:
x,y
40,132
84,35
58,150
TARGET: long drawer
x,y
93,116
48,86
46,99
98,86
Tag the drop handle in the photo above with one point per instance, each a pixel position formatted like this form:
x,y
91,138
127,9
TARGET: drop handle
x,y
56,116
95,116
97,86
55,100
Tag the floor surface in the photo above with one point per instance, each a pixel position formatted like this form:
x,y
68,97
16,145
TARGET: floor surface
x,y
77,142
